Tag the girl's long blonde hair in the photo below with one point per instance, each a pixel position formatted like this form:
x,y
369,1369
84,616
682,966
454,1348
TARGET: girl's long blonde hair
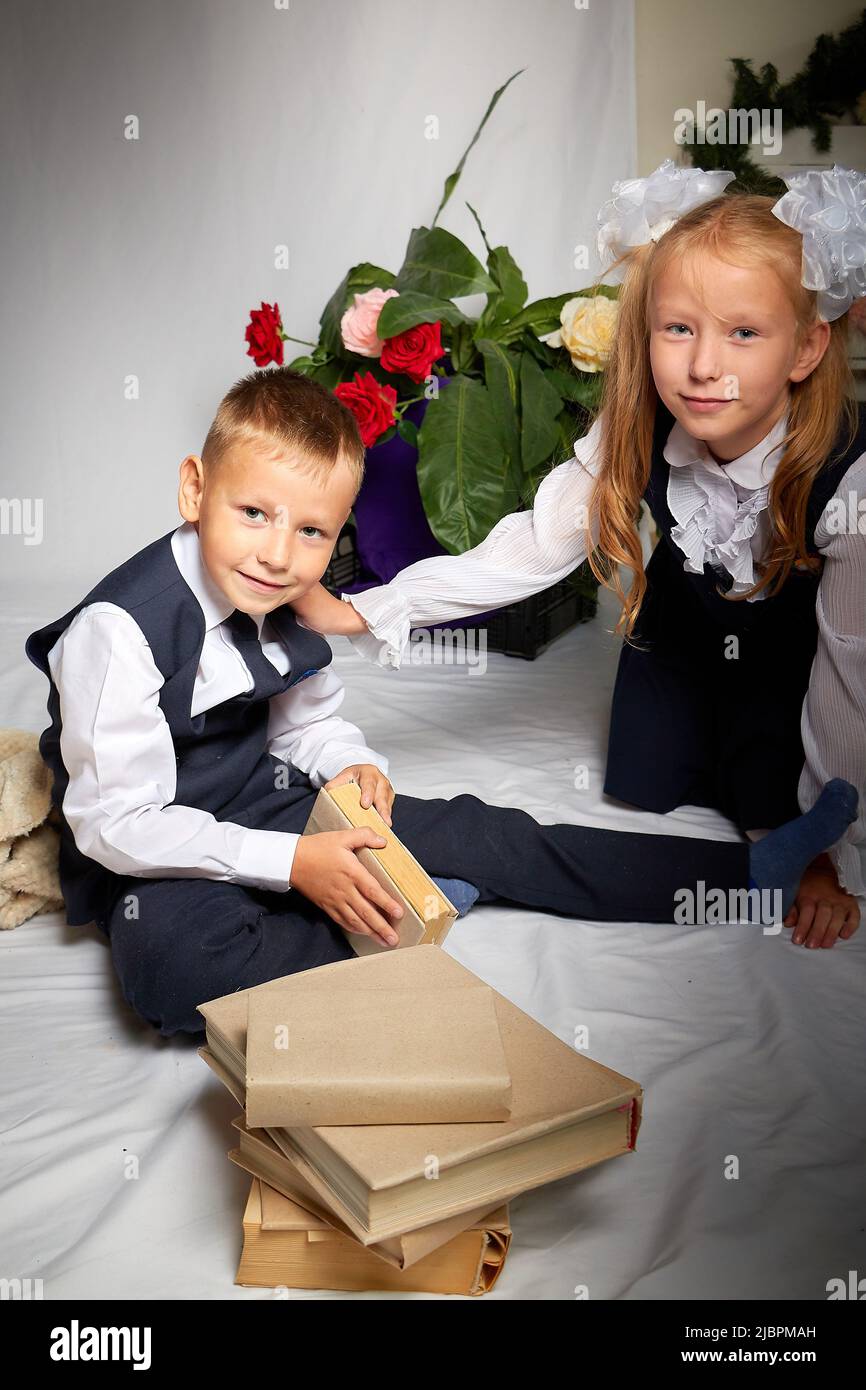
x,y
741,229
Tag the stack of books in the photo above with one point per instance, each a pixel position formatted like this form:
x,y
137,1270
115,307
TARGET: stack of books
x,y
287,1246
393,1104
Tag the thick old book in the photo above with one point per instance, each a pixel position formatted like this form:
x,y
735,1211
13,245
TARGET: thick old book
x,y
427,913
567,1113
287,1246
391,1056
261,1156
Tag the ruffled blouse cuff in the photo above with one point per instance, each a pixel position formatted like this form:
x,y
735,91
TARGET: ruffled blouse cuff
x,y
847,859
386,613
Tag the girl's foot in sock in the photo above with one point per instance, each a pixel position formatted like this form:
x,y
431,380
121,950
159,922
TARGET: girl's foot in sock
x,y
781,857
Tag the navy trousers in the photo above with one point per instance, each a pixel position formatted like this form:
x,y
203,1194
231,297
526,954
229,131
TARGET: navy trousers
x,y
178,942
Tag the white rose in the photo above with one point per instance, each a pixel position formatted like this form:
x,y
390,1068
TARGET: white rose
x,y
586,329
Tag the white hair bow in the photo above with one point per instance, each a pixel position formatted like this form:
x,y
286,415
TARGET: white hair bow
x,y
642,210
828,207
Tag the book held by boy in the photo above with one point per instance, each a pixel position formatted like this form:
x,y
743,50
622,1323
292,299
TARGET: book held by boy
x,y
427,913
390,1056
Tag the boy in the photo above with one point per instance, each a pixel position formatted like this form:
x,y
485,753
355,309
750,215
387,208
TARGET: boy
x,y
194,719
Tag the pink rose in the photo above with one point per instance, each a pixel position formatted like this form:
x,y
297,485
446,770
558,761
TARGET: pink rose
x,y
358,324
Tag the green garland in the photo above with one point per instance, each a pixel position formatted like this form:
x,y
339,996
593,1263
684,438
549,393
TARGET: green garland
x,y
831,84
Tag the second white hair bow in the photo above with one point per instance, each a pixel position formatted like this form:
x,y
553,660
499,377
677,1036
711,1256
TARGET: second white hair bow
x,y
828,207
642,210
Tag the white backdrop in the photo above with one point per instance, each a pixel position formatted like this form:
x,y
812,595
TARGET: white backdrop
x,y
306,127
258,127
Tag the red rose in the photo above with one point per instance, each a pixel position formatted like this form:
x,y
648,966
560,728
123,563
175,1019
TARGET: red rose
x,y
371,403
263,335
414,351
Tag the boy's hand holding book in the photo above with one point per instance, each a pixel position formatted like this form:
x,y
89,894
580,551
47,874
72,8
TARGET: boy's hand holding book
x,y
327,870
376,790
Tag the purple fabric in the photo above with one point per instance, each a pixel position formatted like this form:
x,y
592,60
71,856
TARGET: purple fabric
x,y
392,527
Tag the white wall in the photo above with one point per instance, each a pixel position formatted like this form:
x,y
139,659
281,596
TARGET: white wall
x,y
258,126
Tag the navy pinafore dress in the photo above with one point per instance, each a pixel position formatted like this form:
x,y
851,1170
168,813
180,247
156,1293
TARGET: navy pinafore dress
x,y
692,725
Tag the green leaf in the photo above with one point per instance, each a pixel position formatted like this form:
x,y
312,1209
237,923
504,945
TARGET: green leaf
x,y
358,280
487,246
544,354
462,467
511,291
591,291
330,374
451,181
541,404
411,308
584,388
408,431
512,286
542,316
437,263
462,351
501,369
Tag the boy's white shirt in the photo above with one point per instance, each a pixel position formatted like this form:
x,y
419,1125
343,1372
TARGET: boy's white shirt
x,y
119,752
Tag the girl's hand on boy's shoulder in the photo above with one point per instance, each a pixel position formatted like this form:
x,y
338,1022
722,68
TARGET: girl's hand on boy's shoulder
x,y
324,612
823,912
376,790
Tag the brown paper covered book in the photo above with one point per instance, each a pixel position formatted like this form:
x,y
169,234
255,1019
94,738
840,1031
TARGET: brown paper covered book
x,y
363,1057
568,1112
427,913
261,1156
286,1245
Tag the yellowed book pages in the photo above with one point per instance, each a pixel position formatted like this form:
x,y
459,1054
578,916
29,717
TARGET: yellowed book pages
x,y
369,1057
279,1212
291,1253
427,913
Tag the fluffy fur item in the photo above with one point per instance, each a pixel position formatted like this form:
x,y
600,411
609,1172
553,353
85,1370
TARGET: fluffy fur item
x,y
29,839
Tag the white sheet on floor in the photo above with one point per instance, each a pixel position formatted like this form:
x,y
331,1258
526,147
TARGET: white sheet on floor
x,y
113,1175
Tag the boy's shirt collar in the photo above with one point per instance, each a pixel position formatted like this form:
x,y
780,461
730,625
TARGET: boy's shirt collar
x,y
214,604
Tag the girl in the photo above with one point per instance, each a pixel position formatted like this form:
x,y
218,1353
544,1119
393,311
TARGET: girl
x,y
728,407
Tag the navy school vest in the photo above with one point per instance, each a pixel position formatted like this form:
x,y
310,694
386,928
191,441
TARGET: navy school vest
x,y
663,692
223,766
767,619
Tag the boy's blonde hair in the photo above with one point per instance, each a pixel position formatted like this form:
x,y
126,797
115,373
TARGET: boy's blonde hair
x,y
281,406
741,229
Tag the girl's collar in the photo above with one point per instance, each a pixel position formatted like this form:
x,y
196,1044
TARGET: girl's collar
x,y
753,469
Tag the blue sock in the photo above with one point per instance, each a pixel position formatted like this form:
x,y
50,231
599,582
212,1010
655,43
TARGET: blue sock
x,y
781,857
459,892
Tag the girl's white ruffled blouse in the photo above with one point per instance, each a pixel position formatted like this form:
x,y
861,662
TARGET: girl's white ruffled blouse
x,y
722,519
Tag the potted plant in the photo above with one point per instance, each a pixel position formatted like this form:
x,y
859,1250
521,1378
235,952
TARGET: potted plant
x,y
462,417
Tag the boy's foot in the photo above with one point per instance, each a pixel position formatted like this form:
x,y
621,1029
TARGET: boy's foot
x,y
458,892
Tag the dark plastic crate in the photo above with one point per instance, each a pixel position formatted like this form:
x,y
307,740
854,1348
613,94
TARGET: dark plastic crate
x,y
344,566
527,628
523,629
